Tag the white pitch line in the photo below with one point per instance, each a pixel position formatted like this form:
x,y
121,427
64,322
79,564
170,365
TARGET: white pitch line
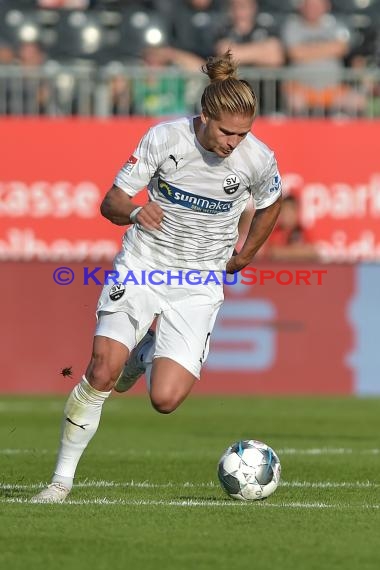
x,y
200,503
330,484
327,451
192,485
15,451
280,451
152,453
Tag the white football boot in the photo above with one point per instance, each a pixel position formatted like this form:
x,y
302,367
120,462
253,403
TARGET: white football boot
x,y
135,366
53,493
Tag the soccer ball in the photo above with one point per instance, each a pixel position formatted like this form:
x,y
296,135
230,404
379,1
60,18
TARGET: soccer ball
x,y
249,470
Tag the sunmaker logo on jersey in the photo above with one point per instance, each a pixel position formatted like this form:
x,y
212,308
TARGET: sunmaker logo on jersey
x,y
192,201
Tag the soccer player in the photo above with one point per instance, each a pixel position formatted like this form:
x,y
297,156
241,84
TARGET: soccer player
x,y
200,172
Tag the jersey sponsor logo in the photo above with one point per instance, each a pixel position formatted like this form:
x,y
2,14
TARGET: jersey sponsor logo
x,y
192,201
275,185
130,164
231,183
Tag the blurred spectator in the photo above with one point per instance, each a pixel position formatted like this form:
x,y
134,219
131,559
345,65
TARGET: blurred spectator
x,y
191,42
169,55
7,57
119,94
157,94
289,239
365,58
194,24
30,55
363,50
192,27
250,43
7,54
35,91
316,47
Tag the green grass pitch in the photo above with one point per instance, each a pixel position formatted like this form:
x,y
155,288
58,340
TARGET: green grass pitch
x,y
147,495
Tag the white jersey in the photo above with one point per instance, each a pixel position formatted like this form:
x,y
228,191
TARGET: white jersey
x,y
201,194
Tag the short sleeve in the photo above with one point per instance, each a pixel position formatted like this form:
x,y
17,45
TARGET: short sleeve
x,y
140,167
269,187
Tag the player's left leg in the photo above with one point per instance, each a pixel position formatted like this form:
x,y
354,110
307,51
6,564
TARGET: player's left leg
x,y
181,348
171,383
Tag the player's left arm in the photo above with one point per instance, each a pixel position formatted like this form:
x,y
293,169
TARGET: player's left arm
x,y
261,227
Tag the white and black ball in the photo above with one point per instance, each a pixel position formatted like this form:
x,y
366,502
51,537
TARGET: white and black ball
x,y
249,470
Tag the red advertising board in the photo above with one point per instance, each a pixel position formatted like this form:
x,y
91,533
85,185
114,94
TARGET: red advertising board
x,y
282,337
268,338
55,172
334,168
53,177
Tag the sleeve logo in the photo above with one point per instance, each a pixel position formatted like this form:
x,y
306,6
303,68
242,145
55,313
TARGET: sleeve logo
x,y
275,185
130,164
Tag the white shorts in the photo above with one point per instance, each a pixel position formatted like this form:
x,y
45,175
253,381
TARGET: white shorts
x,y
185,314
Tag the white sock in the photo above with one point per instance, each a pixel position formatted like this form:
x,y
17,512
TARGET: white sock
x,y
81,419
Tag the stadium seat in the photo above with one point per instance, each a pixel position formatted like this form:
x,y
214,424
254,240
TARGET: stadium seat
x,y
140,28
272,20
90,35
195,31
28,26
17,25
356,6
20,4
273,6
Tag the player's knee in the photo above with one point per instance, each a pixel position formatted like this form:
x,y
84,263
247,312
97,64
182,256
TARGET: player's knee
x,y
100,375
164,404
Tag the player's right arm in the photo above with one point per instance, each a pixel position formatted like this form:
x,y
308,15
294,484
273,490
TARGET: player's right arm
x,y
117,207
136,173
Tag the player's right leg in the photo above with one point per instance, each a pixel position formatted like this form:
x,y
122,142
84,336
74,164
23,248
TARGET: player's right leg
x,y
82,414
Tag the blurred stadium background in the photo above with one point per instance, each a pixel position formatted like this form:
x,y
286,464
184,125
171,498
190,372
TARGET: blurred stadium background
x,y
77,90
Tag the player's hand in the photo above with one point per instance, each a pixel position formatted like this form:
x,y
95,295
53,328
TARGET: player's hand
x,y
236,263
150,216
